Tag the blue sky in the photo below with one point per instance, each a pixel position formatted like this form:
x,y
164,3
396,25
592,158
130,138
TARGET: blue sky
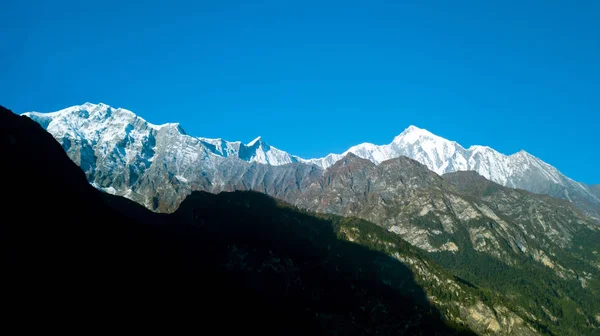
x,y
314,77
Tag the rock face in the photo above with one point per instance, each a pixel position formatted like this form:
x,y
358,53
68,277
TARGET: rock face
x,y
435,213
389,194
116,148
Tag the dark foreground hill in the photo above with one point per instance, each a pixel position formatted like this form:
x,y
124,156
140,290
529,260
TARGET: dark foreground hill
x,y
75,258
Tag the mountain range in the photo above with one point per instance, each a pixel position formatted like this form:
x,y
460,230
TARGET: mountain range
x,y
532,256
76,258
117,148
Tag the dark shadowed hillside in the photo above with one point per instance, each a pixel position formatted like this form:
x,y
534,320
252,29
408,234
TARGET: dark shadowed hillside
x,y
74,257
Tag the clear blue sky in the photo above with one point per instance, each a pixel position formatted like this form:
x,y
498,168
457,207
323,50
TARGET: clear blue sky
x,y
314,77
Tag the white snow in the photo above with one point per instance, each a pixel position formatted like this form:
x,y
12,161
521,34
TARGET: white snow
x,y
109,190
181,178
253,142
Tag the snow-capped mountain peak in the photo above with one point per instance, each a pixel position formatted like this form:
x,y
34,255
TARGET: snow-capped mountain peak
x,y
479,148
519,170
121,130
255,141
413,134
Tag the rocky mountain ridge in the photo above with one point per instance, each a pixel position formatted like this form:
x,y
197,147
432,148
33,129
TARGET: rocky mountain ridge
x,y
115,148
428,210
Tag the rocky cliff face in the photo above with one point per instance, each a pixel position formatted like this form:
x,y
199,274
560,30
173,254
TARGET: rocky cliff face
x,y
434,212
